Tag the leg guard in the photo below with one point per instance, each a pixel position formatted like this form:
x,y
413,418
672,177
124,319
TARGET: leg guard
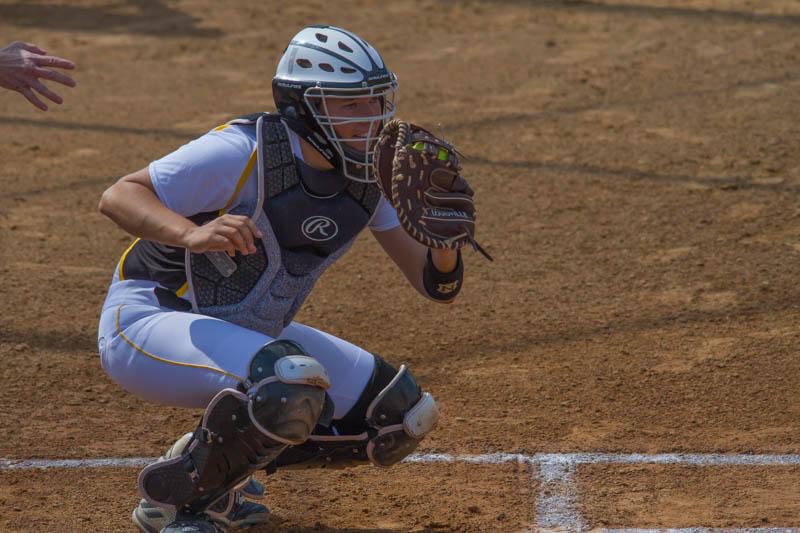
x,y
386,425
241,432
402,415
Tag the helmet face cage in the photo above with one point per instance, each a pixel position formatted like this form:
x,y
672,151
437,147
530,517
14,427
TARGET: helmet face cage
x,y
356,164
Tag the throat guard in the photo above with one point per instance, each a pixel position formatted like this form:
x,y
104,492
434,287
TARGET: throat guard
x,y
303,235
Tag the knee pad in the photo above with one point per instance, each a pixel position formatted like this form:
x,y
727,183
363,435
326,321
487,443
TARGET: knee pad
x,y
396,418
243,430
402,415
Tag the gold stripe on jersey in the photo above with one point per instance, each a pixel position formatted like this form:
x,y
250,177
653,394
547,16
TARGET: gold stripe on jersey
x,y
169,362
221,127
182,289
242,179
124,255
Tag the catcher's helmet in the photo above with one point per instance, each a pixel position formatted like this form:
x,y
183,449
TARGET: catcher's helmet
x,y
326,62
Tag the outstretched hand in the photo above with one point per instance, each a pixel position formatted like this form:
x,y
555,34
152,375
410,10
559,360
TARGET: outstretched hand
x,y
23,64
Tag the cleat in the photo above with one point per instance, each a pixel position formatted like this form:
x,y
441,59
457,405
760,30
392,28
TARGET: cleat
x,y
192,524
241,515
251,489
238,514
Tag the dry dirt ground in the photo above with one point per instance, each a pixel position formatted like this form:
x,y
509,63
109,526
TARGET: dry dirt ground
x,y
637,177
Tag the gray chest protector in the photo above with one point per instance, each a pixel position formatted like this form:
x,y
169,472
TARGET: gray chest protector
x,y
303,234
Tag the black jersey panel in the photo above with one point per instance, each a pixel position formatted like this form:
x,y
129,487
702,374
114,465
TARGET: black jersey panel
x,y
158,262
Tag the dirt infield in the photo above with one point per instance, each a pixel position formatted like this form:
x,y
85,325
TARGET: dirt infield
x,y
637,176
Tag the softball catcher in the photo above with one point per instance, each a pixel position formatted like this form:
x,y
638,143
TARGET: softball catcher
x,y
233,230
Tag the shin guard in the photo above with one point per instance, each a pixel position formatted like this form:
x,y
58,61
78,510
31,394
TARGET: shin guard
x,y
241,432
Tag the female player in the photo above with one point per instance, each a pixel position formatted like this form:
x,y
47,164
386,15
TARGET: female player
x,y
233,230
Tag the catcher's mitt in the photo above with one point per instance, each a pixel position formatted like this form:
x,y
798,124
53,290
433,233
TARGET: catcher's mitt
x,y
420,175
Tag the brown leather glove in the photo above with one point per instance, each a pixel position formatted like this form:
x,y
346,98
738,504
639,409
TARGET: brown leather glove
x,y
420,175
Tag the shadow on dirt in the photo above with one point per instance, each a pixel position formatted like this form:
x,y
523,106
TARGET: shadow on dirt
x,y
754,308
503,119
320,528
731,183
722,182
50,340
148,17
97,184
649,11
644,322
517,118
94,127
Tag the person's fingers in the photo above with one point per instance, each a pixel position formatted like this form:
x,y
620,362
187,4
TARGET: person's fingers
x,y
235,237
220,243
253,228
32,98
231,247
245,228
30,47
42,89
53,61
236,219
53,75
223,246
247,236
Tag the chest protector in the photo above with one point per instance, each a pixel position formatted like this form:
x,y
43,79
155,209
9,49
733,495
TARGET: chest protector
x,y
303,234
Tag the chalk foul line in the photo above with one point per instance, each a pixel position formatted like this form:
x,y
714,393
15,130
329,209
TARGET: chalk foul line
x,y
557,502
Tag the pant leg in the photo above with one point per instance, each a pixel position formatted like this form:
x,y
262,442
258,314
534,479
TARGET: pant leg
x,y
183,359
349,367
172,357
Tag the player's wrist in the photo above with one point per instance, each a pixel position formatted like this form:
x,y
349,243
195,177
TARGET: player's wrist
x,y
442,286
187,235
445,261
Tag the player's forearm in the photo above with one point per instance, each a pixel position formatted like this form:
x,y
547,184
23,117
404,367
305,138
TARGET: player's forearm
x,y
411,261
137,210
412,258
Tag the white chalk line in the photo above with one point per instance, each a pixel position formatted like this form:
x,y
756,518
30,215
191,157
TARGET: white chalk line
x,y
695,459
698,459
42,464
557,502
702,530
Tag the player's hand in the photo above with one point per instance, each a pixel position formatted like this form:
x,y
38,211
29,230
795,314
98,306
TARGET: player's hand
x,y
228,233
21,66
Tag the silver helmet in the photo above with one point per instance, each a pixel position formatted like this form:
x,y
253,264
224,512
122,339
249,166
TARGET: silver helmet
x,y
326,63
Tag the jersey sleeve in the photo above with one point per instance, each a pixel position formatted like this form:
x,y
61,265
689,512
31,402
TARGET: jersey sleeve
x,y
385,217
203,175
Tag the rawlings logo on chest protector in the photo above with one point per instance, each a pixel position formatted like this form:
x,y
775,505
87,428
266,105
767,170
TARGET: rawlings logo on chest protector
x,y
319,228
